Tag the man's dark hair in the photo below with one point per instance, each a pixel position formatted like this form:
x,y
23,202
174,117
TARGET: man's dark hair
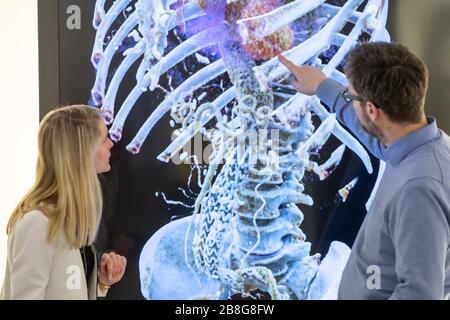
x,y
390,76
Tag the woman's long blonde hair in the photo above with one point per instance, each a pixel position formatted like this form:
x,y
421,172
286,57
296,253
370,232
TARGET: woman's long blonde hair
x,y
67,189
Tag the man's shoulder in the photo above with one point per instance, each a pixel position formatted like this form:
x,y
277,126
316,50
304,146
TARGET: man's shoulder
x,y
430,162
442,154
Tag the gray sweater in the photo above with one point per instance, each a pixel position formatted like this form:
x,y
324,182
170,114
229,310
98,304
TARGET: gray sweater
x,y
402,248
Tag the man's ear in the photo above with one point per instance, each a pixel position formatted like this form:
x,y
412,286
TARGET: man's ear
x,y
372,110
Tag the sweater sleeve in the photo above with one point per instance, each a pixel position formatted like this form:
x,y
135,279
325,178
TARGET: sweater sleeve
x,y
419,226
330,93
31,257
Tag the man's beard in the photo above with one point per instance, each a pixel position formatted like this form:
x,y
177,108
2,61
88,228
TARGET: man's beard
x,y
370,127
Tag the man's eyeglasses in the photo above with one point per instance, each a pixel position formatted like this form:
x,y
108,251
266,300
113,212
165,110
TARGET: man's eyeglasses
x,y
349,97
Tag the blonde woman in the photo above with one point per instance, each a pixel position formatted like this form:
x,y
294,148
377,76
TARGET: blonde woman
x,y
50,232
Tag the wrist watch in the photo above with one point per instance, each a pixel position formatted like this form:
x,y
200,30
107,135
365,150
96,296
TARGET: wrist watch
x,y
103,286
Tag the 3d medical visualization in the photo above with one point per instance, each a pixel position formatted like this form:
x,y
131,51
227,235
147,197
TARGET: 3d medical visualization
x,y
215,64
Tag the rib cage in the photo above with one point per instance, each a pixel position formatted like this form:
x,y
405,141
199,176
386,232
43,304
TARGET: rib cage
x,y
248,232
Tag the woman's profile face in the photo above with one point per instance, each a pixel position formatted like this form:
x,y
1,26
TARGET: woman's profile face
x,y
102,155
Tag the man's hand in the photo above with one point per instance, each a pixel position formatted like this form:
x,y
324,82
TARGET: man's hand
x,y
306,79
112,268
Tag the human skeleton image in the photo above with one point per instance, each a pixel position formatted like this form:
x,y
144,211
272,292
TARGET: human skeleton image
x,y
216,64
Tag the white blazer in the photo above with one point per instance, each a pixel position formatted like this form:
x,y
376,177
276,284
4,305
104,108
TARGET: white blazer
x,y
37,269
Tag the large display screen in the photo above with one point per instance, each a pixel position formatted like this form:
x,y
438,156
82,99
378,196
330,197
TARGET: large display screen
x,y
203,80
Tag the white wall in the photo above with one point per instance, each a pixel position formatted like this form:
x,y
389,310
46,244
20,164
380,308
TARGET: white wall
x,y
19,107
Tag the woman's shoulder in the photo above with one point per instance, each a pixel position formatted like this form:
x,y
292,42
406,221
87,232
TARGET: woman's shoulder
x,y
34,218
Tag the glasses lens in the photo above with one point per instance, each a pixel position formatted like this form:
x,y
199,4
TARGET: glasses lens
x,y
347,96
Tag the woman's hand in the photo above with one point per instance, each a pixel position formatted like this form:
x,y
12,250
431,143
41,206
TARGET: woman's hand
x,y
112,268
